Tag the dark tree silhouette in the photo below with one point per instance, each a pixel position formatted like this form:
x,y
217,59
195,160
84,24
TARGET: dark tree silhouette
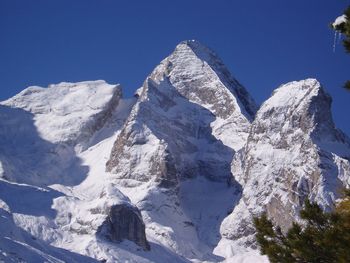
x,y
325,237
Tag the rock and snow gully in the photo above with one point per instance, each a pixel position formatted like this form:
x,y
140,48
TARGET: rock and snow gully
x,y
174,174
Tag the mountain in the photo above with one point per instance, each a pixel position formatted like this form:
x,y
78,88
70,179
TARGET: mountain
x,y
47,200
42,128
293,152
173,174
178,143
190,117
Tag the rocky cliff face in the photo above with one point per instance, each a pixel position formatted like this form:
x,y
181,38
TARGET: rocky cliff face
x,y
190,118
124,222
293,152
178,144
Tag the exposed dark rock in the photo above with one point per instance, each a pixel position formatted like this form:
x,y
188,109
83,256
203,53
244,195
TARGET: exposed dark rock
x,y
124,222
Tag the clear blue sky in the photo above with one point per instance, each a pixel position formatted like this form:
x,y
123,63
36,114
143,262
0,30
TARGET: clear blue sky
x,y
263,43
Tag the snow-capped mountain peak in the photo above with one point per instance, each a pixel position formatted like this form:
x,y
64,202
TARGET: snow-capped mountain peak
x,y
293,152
185,106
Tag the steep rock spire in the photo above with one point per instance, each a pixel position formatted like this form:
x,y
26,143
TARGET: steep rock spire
x,y
190,117
293,152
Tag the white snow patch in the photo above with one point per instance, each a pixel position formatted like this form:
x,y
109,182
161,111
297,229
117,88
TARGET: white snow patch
x,y
339,20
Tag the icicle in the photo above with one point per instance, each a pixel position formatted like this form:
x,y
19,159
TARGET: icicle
x,y
335,40
339,37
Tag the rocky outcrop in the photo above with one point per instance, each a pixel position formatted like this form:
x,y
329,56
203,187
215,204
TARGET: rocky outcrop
x,y
293,152
190,117
124,222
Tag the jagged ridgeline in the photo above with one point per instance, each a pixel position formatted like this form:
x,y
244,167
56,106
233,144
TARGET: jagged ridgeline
x,y
174,174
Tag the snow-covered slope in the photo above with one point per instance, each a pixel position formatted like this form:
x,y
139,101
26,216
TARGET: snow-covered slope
x,y
68,112
41,129
293,151
44,134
